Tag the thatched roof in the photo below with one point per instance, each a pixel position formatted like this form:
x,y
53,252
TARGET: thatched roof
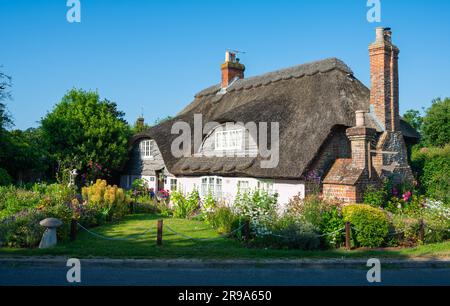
x,y
307,101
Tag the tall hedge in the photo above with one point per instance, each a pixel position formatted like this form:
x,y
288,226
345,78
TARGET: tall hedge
x,y
433,168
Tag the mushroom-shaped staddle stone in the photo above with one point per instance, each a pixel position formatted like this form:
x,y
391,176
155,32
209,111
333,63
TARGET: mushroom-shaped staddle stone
x,y
49,236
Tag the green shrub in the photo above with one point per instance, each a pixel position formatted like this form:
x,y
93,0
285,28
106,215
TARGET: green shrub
x,y
223,219
185,206
22,229
5,178
331,226
208,206
111,201
259,207
433,167
139,187
289,233
436,217
371,225
14,200
376,197
407,229
323,215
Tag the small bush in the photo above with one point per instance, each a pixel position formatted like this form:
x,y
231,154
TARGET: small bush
x,y
208,206
323,215
331,226
407,229
22,229
111,201
185,206
371,225
223,219
259,207
436,217
376,197
288,233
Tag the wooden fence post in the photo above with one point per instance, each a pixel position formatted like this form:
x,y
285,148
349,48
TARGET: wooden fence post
x,y
160,233
421,230
347,236
73,229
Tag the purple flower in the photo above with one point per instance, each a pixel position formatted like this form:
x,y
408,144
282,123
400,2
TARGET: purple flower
x,y
395,192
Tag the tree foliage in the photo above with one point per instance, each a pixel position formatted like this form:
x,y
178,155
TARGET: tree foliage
x,y
436,123
5,83
414,118
86,130
24,154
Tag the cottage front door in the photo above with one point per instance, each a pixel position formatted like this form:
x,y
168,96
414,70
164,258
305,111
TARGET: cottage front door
x,y
159,180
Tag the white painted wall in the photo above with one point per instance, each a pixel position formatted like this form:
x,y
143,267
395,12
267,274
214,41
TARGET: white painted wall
x,y
286,189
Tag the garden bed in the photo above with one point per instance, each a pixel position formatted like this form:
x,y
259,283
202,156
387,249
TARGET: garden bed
x,y
208,244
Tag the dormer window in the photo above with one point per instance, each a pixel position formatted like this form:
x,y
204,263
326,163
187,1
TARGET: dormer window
x,y
228,140
145,149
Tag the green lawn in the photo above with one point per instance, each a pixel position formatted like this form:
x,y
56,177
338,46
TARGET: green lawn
x,y
175,246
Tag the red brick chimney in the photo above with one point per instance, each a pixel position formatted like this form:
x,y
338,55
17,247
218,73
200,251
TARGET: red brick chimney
x,y
384,95
231,69
360,137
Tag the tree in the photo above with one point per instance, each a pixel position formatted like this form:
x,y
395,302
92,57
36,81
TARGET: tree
x,y
5,121
436,123
26,155
86,131
5,83
414,118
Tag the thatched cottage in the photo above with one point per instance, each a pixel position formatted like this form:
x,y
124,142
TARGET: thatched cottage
x,y
331,126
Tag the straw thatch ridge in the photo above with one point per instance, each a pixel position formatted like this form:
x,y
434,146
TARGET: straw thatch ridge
x,y
307,101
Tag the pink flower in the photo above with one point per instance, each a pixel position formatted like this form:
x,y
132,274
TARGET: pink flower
x,y
407,196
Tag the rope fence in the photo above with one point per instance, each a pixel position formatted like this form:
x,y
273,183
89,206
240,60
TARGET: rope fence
x,y
244,229
204,239
114,238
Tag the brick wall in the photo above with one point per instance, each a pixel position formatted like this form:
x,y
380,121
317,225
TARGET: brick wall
x,y
336,146
344,193
384,93
231,70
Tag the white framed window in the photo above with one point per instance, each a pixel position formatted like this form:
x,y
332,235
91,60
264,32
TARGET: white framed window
x,y
145,149
267,186
152,178
244,187
211,185
228,140
173,184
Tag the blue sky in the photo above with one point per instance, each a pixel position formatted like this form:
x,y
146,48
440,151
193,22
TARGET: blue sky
x,y
158,54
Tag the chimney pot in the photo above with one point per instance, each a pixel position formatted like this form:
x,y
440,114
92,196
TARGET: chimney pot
x,y
360,118
379,35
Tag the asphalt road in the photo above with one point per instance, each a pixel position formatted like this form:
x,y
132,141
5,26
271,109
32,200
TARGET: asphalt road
x,y
51,274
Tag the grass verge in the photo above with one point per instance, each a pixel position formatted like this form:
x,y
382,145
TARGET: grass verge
x,y
213,247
